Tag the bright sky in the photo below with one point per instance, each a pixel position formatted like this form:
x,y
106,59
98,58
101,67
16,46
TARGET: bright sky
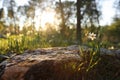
x,y
107,11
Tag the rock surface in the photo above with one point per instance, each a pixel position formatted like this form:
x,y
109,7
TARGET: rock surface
x,y
21,66
39,63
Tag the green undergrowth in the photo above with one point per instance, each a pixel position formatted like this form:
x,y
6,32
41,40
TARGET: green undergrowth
x,y
107,68
19,43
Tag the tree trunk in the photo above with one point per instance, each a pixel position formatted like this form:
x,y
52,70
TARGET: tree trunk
x,y
78,29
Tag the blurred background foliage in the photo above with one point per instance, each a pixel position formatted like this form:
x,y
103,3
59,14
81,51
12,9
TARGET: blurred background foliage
x,y
21,26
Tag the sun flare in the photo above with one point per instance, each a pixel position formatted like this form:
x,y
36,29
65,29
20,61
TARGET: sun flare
x,y
47,16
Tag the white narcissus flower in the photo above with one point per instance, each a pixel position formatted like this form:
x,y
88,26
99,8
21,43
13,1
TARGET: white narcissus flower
x,y
92,36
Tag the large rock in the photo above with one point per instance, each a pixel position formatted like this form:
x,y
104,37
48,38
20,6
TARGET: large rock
x,y
61,63
17,71
46,67
60,69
